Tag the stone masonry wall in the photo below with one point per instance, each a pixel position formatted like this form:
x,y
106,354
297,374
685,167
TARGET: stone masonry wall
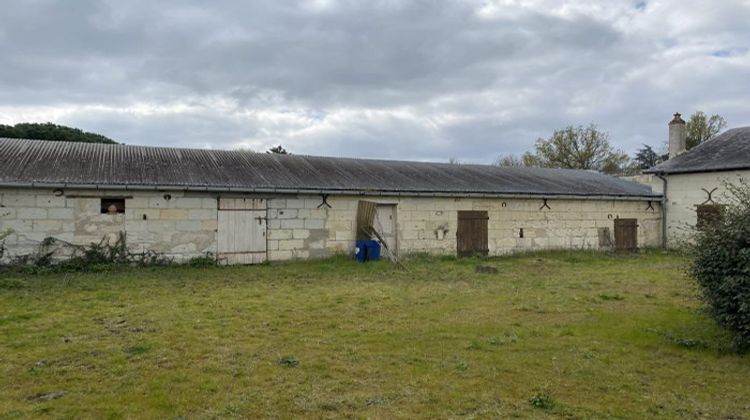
x,y
299,229
173,223
183,225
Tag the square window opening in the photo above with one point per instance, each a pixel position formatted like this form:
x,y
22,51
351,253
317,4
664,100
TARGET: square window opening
x,y
113,205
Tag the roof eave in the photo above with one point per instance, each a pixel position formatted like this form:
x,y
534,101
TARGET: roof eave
x,y
362,192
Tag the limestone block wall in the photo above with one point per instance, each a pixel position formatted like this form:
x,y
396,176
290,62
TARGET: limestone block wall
x,y
298,228
184,225
175,224
686,191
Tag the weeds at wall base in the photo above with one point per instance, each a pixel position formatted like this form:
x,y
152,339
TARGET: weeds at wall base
x,y
56,256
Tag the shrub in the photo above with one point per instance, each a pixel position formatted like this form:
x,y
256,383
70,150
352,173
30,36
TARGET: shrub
x,y
721,265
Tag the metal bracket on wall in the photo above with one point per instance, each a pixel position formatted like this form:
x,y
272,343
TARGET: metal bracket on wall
x,y
709,199
325,201
544,204
650,206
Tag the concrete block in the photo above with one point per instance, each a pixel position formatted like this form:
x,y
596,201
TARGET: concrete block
x,y
136,203
187,203
188,225
274,224
61,213
19,200
210,203
344,235
313,203
295,203
340,225
280,234
286,214
300,233
48,226
280,255
300,254
49,200
277,203
173,214
32,213
292,223
314,224
7,213
202,214
210,225
289,244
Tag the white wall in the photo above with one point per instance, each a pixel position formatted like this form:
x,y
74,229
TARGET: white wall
x,y
685,192
185,225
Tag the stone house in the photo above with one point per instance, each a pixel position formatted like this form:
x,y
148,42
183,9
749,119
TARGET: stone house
x,y
248,207
693,182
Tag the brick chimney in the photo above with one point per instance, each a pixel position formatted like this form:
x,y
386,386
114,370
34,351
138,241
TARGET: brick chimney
x,y
677,136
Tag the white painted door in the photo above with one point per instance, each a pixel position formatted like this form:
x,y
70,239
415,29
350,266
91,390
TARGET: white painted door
x,y
242,231
385,224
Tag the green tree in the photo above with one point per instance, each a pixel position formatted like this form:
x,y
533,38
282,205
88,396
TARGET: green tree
x,y
646,157
702,128
279,150
578,148
509,161
49,131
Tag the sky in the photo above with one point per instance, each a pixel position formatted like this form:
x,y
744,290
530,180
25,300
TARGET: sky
x,y
417,80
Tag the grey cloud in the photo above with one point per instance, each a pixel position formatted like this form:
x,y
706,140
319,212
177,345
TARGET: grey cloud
x,y
417,79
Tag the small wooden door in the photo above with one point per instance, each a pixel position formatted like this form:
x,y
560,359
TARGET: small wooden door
x,y
471,235
626,234
385,224
242,231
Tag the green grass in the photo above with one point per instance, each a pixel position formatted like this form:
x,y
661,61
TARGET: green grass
x,y
551,335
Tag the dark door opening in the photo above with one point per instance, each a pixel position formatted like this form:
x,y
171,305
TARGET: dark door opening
x,y
626,234
471,235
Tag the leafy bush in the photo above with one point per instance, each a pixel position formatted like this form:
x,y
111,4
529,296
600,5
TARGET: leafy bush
x,y
721,265
203,261
542,400
95,257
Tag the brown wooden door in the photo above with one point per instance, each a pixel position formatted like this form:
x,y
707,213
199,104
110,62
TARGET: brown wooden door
x,y
471,235
626,234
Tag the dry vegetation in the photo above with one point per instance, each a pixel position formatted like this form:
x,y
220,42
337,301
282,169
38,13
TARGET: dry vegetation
x,y
557,334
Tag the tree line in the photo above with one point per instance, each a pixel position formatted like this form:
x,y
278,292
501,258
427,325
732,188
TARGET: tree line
x,y
588,147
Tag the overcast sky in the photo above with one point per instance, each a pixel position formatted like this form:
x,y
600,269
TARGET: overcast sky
x,y
425,80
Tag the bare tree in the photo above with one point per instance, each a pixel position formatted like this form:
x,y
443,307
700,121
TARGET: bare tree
x,y
509,160
454,161
578,148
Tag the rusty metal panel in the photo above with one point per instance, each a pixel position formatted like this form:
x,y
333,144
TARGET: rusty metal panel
x,y
626,234
709,214
472,233
108,165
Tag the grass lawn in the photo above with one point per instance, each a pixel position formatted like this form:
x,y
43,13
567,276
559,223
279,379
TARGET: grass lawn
x,y
555,334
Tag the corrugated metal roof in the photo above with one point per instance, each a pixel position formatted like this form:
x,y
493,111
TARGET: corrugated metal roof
x,y
27,162
728,151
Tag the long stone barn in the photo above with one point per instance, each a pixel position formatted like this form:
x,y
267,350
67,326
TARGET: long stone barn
x,y
245,207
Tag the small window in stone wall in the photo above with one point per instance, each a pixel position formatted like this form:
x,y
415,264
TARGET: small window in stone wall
x,y
113,205
708,215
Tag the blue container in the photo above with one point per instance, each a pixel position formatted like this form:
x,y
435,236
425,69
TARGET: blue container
x,y
360,251
373,250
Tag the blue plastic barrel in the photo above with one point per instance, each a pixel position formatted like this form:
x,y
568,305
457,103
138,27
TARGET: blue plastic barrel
x,y
373,250
360,251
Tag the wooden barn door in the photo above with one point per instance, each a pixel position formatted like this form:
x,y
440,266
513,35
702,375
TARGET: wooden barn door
x,y
385,224
626,234
471,235
242,231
